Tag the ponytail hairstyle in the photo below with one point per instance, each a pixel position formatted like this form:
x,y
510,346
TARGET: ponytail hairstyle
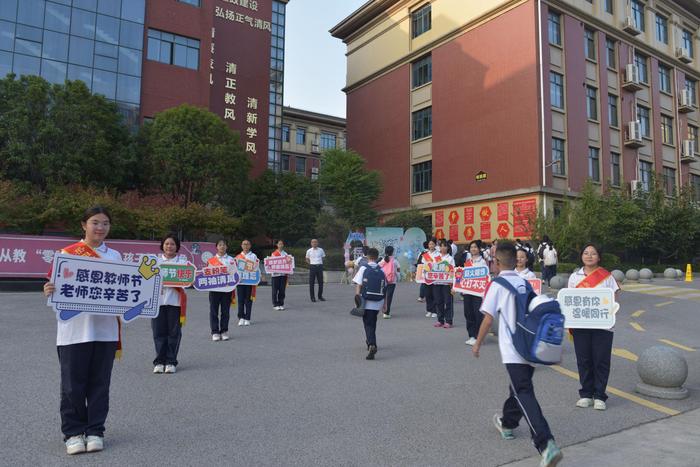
x,y
388,251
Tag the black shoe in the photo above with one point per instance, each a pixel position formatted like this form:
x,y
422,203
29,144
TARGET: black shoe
x,y
313,300
321,299
372,351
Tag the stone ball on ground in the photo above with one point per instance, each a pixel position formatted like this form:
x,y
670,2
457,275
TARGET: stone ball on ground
x,y
632,275
557,282
662,366
679,275
618,275
669,273
645,274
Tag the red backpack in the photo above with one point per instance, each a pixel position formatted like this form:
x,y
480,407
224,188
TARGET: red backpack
x,y
388,268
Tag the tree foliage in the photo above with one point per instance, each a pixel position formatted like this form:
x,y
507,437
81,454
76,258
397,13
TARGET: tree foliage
x,y
192,154
349,187
410,218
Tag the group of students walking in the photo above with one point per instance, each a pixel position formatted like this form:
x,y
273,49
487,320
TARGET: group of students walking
x,y
87,344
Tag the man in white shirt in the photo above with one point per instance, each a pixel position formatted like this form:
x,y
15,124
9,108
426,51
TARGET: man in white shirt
x,y
522,399
314,257
371,307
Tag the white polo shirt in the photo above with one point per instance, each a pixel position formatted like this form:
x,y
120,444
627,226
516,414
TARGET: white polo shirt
x,y
526,274
315,255
498,299
368,304
579,275
86,327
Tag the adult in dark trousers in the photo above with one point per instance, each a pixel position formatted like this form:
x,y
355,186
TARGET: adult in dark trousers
x,y
314,257
521,401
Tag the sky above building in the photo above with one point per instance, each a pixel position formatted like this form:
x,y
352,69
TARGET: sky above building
x,y
314,61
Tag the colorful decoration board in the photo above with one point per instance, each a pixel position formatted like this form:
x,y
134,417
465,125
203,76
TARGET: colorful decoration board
x,y
249,271
279,264
536,285
217,279
472,280
441,273
177,274
588,308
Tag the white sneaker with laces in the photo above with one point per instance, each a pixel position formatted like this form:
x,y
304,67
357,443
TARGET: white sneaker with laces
x,y
428,315
246,322
434,315
241,322
471,341
75,445
599,404
170,369
225,336
216,337
281,308
95,443
158,369
584,402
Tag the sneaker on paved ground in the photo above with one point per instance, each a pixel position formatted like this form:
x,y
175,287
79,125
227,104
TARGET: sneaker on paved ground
x,y
437,324
434,315
506,433
225,336
321,299
216,337
386,316
170,369
281,308
428,315
246,322
95,443
470,341
584,402
372,351
158,369
599,405
420,300
75,445
447,326
551,455
241,321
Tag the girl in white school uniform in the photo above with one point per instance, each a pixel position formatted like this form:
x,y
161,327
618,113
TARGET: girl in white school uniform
x,y
521,265
442,293
472,303
87,345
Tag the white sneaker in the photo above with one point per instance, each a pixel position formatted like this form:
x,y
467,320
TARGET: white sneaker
x,y
276,308
75,445
170,369
158,369
225,336
584,402
95,443
246,322
470,341
599,404
434,315
216,337
281,308
428,315
241,322
386,316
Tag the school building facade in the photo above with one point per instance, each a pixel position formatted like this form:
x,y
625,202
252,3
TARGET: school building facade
x,y
149,56
482,113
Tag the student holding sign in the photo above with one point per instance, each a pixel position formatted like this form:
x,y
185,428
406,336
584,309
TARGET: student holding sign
x,y
442,293
430,256
220,302
472,303
167,326
87,345
521,265
279,281
245,294
593,346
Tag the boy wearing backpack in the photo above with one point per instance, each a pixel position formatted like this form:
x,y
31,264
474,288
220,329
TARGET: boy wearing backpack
x,y
370,285
499,298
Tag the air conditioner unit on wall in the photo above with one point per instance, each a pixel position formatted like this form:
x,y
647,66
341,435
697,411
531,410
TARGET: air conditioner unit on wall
x,y
633,138
685,103
629,26
631,81
688,151
683,55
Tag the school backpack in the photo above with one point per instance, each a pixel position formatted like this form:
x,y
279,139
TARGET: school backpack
x,y
373,284
388,268
539,325
549,255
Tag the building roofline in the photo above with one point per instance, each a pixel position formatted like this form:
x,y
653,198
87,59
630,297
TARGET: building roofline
x,y
360,17
691,6
313,116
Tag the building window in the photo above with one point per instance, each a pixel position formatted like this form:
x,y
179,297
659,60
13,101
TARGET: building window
x,y
301,136
300,165
422,123
285,162
554,26
285,133
191,2
666,129
695,186
645,173
592,103
669,175
638,14
693,136
558,160
688,42
641,62
608,6
556,89
594,164
328,140
661,29
691,86
423,177
422,71
644,124
589,44
420,21
615,169
172,49
610,53
664,78
274,121
557,208
612,110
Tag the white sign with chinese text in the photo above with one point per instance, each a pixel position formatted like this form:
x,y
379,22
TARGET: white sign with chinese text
x,y
588,308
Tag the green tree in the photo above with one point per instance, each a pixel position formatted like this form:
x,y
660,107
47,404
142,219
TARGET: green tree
x,y
349,187
282,206
53,135
192,154
411,218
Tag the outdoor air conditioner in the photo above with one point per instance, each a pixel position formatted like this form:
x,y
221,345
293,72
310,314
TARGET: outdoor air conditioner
x,y
685,104
628,25
634,135
683,55
688,151
314,148
631,82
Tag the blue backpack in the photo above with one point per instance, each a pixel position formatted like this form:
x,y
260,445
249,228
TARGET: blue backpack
x,y
538,332
373,284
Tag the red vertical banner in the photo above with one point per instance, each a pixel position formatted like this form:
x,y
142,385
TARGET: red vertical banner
x,y
524,212
439,218
469,215
503,211
454,233
486,231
